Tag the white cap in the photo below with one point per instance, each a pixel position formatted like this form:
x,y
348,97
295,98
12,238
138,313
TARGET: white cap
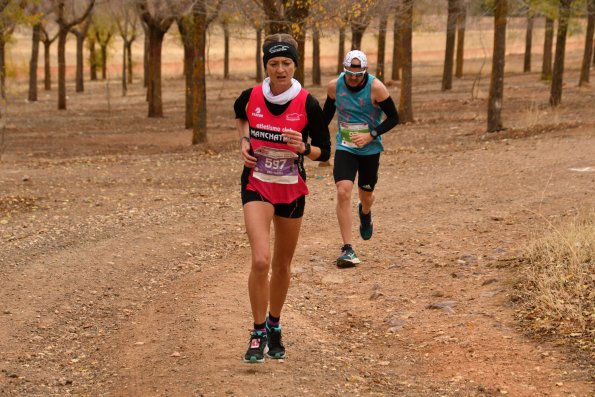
x,y
356,54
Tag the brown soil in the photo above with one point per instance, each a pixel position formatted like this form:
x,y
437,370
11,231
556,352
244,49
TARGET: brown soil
x,y
124,261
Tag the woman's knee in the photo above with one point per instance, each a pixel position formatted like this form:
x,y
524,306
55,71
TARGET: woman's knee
x,y
261,264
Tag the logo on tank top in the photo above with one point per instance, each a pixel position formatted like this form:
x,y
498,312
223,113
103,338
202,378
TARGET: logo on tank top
x,y
257,112
294,117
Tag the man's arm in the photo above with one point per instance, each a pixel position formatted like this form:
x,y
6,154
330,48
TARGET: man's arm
x,y
382,98
329,105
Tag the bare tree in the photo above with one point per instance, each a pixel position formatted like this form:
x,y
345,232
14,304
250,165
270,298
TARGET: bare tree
x,y
127,24
497,76
451,26
65,25
258,55
396,66
80,32
200,20
47,41
528,42
10,14
35,39
341,47
289,17
406,29
36,13
546,65
157,24
588,54
381,45
461,26
104,31
558,73
316,72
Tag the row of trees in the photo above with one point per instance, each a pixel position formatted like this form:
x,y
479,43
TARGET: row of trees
x,y
95,22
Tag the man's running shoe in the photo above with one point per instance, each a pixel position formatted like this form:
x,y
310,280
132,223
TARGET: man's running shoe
x,y
276,348
257,347
366,228
347,258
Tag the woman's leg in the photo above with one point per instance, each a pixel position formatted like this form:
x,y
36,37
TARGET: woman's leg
x,y
287,231
257,217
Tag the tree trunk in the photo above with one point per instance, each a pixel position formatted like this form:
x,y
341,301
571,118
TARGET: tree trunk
x,y
154,76
225,51
124,69
586,66
199,89
92,60
146,60
80,85
259,65
103,60
406,33
357,33
62,69
396,64
188,66
381,46
33,62
451,26
546,67
461,22
497,76
558,73
47,73
300,73
129,62
341,49
275,21
528,43
3,67
316,74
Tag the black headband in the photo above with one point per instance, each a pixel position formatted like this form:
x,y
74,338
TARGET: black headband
x,y
279,49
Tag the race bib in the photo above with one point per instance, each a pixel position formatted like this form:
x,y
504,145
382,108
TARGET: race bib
x,y
351,128
276,166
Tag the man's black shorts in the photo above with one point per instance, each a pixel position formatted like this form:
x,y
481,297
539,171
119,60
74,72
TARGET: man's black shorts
x,y
347,165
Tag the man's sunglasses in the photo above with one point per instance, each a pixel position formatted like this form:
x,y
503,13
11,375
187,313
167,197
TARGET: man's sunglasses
x,y
354,74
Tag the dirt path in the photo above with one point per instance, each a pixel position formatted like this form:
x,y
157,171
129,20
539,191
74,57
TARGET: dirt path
x,y
124,260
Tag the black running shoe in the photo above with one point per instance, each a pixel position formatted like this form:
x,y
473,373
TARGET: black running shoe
x,y
276,348
257,347
366,228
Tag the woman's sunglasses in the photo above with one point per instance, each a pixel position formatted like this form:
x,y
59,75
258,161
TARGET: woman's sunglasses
x,y
354,74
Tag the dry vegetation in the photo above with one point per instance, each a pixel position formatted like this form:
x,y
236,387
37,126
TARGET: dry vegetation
x,y
556,291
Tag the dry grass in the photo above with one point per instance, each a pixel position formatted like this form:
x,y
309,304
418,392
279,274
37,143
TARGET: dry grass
x,y
556,290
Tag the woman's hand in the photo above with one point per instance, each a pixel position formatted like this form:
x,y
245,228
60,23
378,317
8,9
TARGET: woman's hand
x,y
294,140
249,160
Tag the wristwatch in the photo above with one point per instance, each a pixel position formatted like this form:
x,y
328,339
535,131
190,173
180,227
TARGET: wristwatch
x,y
307,150
374,134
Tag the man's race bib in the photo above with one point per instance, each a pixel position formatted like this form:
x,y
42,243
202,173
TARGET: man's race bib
x,y
276,166
351,128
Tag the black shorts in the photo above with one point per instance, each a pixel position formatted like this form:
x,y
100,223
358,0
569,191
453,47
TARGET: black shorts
x,y
295,209
347,165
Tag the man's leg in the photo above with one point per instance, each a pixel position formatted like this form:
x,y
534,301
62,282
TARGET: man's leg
x,y
368,176
367,200
344,211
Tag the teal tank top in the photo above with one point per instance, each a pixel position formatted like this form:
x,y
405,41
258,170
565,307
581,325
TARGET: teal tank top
x,y
356,113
